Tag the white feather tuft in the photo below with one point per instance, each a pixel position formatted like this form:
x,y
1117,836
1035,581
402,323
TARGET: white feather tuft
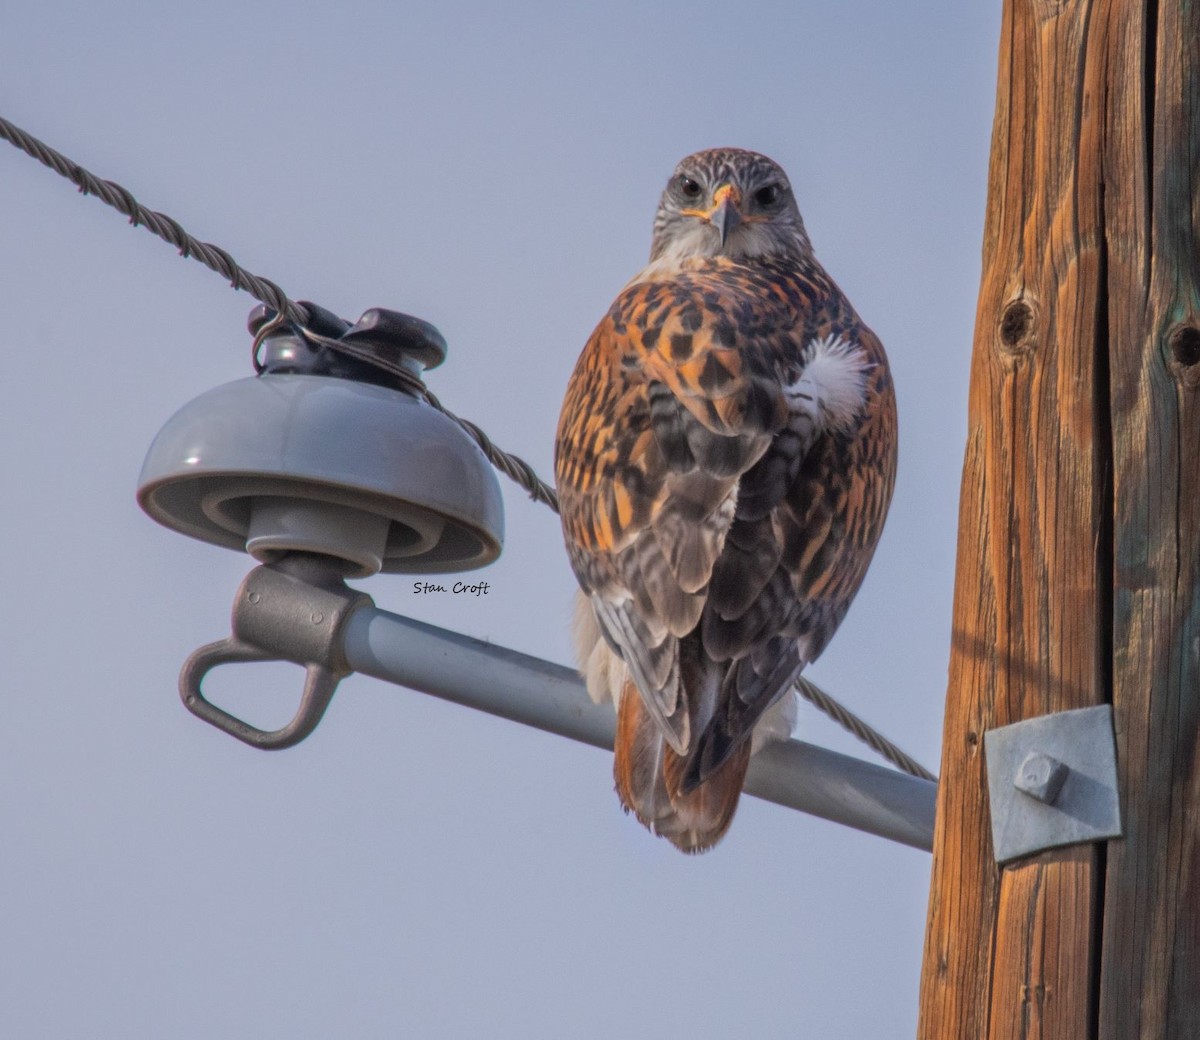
x,y
602,670
777,722
833,384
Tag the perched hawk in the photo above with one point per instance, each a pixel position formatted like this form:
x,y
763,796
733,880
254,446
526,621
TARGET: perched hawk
x,y
725,458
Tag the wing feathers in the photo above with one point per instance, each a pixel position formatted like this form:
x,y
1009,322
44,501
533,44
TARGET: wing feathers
x,y
654,667
751,555
679,610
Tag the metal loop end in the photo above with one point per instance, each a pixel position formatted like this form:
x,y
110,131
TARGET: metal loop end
x,y
319,686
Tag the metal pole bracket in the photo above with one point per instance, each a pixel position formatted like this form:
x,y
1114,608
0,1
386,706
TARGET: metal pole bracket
x,y
1052,781
295,609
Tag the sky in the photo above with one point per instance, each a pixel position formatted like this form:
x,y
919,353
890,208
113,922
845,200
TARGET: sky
x,y
416,868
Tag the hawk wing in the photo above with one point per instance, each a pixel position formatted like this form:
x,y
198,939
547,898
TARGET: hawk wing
x,y
701,480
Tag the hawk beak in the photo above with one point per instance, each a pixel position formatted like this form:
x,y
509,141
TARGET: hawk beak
x,y
725,215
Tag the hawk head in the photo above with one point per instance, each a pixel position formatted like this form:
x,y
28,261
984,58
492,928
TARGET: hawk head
x,y
728,202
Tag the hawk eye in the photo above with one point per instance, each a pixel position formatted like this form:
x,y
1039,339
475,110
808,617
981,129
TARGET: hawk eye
x,y
768,195
689,188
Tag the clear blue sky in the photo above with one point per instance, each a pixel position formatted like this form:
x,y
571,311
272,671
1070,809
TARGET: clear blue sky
x,y
416,869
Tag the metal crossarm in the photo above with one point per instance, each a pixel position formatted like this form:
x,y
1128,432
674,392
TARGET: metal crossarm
x,y
550,697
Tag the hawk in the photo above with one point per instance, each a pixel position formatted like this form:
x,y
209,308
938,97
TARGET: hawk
x,y
725,458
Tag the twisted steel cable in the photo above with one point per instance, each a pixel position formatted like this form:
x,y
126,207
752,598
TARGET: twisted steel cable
x,y
160,224
845,718
266,291
262,289
512,466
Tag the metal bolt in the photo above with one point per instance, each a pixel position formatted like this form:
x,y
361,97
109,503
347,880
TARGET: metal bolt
x,y
1040,776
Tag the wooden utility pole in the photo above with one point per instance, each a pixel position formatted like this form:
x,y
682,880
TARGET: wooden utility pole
x,y
1079,533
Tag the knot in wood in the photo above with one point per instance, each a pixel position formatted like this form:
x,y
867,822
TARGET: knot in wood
x,y
1016,327
1183,344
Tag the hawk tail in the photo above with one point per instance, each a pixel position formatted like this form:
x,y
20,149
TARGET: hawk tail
x,y
650,781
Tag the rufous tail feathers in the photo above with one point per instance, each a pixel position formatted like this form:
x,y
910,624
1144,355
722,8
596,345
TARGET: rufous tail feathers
x,y
649,777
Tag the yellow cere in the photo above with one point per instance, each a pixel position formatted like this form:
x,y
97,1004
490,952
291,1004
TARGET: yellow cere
x,y
723,193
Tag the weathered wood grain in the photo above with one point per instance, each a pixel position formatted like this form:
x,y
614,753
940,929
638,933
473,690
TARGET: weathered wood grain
x,y
1150,974
1079,533
1013,953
